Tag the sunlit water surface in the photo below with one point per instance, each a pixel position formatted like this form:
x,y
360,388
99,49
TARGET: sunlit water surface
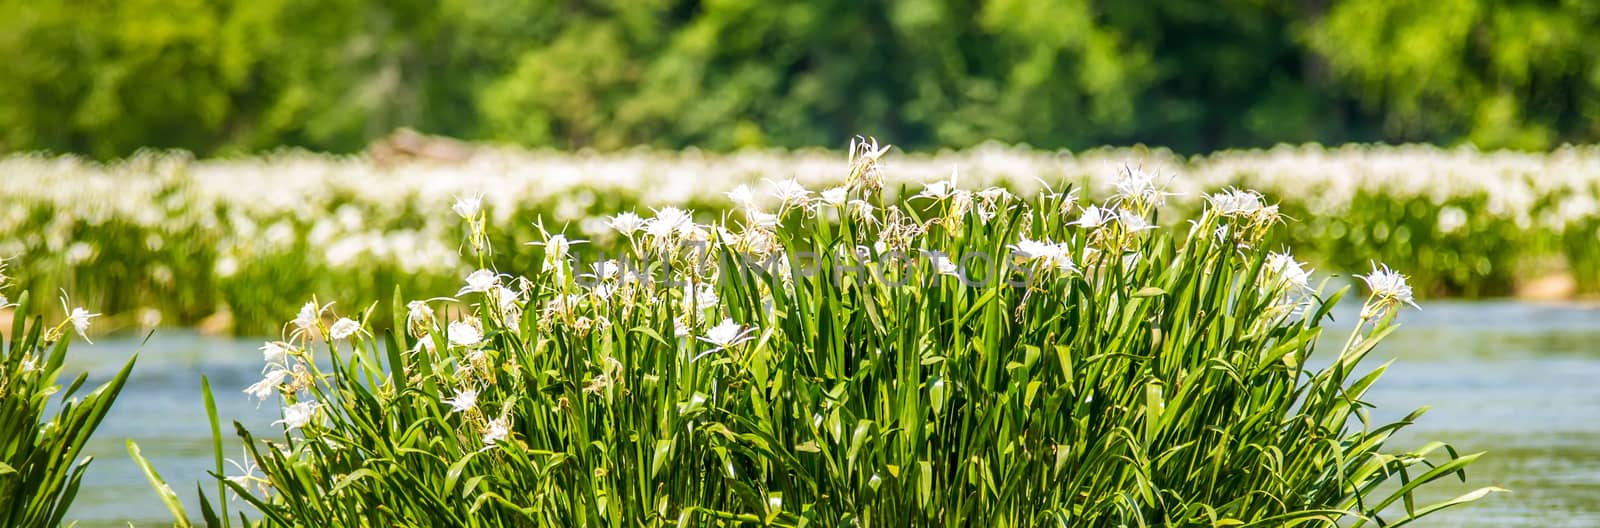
x,y
1521,381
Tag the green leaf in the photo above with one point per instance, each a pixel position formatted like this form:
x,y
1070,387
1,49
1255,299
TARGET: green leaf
x,y
1149,291
163,491
663,451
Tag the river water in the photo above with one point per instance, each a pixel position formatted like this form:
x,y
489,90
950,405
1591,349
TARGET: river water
x,y
1521,381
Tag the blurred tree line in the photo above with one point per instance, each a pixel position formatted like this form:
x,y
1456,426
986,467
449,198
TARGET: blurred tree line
x,y
106,77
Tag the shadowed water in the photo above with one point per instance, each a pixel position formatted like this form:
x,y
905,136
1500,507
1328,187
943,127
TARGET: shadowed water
x,y
1520,381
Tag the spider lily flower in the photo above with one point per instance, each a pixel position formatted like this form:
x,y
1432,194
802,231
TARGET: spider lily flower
x,y
80,321
479,281
508,302
498,430
742,196
1284,269
419,318
310,314
865,172
604,270
1092,217
761,219
1136,184
943,266
626,223
247,475
1389,289
864,211
704,297
939,190
464,401
727,334
1235,203
343,328
790,193
557,246
464,334
275,353
299,415
673,218
837,196
996,195
1046,253
1026,250
1133,222
269,383
468,206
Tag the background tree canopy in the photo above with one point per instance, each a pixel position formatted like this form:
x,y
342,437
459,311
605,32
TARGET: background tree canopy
x,y
105,77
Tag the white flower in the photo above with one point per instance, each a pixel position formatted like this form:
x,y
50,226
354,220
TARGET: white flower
x,y
80,321
1138,185
309,315
298,415
790,192
669,221
418,314
1133,222
1235,202
480,281
605,269
1092,217
509,303
557,246
727,334
1283,268
862,210
939,190
29,363
506,299
498,430
742,196
343,328
944,266
994,195
760,219
1058,256
694,233
1026,250
836,196
4,302
464,334
464,401
275,353
248,477
626,223
468,206
604,290
268,384
1388,287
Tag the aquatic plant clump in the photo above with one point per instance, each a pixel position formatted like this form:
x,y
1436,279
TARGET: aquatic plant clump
x,y
41,440
164,238
954,357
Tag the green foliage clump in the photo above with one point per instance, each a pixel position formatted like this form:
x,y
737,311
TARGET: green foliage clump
x,y
956,358
40,442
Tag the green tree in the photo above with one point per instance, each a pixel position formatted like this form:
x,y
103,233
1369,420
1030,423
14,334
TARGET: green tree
x,y
106,78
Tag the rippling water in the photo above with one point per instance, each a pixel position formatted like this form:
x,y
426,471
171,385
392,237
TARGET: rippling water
x,y
1520,381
